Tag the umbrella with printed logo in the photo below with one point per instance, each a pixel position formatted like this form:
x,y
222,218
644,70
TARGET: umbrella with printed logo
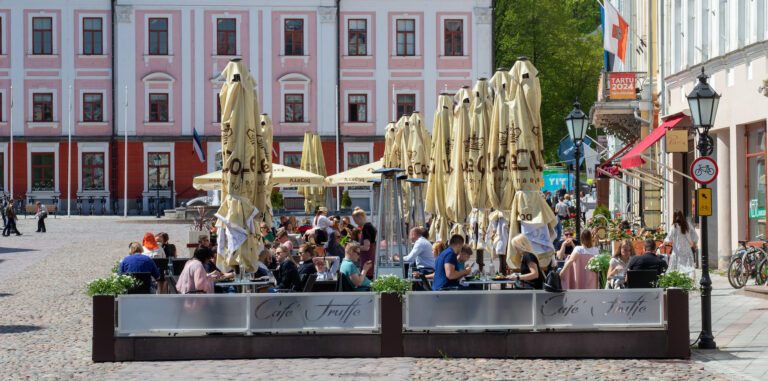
x,y
476,163
457,203
439,170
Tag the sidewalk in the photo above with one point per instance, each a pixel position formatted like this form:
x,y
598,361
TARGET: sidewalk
x,y
740,327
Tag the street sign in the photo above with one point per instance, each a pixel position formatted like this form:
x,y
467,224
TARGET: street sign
x,y
704,201
704,170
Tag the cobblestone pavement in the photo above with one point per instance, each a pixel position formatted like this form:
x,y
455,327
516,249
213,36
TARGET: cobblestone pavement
x,y
45,325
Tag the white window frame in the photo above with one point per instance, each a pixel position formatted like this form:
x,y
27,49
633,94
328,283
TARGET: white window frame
x,y
104,115
368,103
54,34
295,78
92,147
238,22
406,91
155,78
358,147
104,35
368,39
417,48
464,42
305,32
4,38
290,192
30,101
4,100
43,148
148,16
169,148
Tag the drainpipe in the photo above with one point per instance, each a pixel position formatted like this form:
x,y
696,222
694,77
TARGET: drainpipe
x,y
112,141
338,96
663,105
493,35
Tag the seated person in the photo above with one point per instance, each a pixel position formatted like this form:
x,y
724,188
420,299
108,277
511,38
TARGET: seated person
x,y
305,225
151,248
194,278
447,273
136,262
307,266
266,233
463,257
649,260
333,247
168,248
437,248
421,253
530,272
350,271
565,246
265,257
283,239
324,272
287,273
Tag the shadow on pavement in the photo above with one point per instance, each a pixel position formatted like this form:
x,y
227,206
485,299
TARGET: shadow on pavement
x,y
18,328
9,250
705,355
3,293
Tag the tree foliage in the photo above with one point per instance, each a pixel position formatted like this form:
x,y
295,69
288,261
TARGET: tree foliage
x,y
562,39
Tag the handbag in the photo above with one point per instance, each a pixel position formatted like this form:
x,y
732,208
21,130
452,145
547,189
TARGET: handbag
x,y
553,283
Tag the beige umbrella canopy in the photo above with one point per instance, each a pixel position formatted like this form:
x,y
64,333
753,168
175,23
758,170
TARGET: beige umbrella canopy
x,y
306,165
282,176
476,162
457,204
499,179
358,176
530,213
439,170
318,167
389,146
419,148
242,173
264,203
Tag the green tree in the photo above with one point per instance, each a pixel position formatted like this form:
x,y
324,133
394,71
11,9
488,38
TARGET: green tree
x,y
563,40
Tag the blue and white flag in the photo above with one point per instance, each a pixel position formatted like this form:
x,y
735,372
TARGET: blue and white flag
x,y
198,146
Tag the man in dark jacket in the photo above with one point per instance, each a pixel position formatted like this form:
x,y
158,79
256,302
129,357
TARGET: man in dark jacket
x,y
287,273
649,260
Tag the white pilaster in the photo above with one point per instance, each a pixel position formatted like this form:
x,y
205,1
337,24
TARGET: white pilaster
x,y
430,68
186,71
126,68
17,71
266,33
723,212
326,69
201,79
382,74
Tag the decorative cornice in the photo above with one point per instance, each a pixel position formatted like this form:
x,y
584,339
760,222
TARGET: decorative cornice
x,y
483,15
327,14
124,14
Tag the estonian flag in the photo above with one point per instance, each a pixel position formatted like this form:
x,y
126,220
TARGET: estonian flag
x,y
615,31
198,146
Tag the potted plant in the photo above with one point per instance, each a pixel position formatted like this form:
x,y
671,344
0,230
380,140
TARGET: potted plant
x,y
600,264
391,284
676,279
346,202
276,199
112,285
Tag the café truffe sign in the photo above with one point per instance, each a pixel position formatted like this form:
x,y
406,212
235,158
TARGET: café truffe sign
x,y
621,86
314,312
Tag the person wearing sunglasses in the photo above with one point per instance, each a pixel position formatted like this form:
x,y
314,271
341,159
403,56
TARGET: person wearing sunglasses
x,y
566,245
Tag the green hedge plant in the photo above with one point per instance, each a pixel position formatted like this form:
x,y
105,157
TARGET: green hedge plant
x,y
391,284
111,285
676,279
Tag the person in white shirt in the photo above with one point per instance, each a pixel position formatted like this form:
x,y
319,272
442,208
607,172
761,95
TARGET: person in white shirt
x,y
421,252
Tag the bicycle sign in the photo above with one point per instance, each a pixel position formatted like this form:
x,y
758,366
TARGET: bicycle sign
x,y
704,170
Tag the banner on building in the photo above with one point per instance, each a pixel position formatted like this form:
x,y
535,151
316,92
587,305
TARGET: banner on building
x,y
621,86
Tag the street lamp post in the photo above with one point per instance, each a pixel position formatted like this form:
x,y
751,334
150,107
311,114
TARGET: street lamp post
x,y
157,184
703,102
577,123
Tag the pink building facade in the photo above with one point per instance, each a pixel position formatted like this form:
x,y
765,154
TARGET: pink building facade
x,y
367,61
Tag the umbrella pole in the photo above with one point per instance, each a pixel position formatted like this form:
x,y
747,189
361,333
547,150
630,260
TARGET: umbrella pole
x,y
338,189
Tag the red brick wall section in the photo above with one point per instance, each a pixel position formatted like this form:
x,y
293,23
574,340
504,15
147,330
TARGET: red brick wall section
x,y
135,170
63,150
378,150
188,166
329,151
19,171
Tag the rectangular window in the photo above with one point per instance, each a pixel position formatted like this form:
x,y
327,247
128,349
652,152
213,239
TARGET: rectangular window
x,y
158,107
2,175
294,108
93,171
292,159
406,37
42,35
218,108
358,104
357,37
406,103
42,107
454,37
43,167
226,34
756,184
294,37
294,203
356,159
158,170
92,36
158,36
92,106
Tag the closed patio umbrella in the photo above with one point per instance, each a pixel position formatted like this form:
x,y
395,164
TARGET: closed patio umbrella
x,y
439,170
240,241
264,162
457,204
318,167
476,163
306,164
530,213
500,188
389,145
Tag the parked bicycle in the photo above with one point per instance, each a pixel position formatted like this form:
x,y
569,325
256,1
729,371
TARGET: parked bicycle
x,y
744,264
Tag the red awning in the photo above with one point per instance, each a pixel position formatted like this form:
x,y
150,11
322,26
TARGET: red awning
x,y
633,157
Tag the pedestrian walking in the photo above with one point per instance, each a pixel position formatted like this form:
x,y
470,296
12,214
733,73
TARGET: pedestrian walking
x,y
42,214
583,206
3,205
10,226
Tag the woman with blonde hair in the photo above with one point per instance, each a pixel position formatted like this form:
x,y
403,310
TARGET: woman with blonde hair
x,y
617,272
367,239
579,277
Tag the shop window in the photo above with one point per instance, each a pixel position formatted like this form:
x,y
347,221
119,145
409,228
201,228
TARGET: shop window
x,y
756,186
93,171
43,167
158,170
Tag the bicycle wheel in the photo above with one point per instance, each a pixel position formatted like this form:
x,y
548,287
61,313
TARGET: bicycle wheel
x,y
735,272
762,272
751,261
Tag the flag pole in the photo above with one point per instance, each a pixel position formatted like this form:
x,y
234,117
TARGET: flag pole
x,y
10,123
125,171
69,156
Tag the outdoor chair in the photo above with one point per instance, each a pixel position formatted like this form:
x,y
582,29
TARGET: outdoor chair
x,y
310,283
343,285
177,265
641,278
162,266
425,282
145,285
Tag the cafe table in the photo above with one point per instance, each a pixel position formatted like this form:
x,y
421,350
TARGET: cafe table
x,y
487,283
245,286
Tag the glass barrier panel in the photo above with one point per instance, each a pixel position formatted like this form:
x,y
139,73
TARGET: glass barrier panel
x,y
641,308
157,314
460,310
315,312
